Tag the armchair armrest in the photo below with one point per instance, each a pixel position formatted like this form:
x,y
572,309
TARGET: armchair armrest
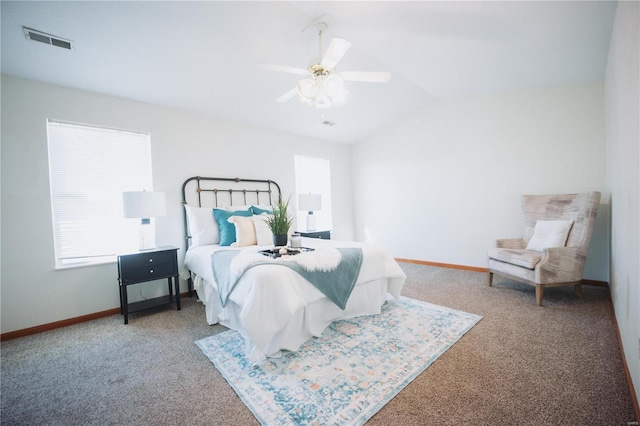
x,y
560,264
511,243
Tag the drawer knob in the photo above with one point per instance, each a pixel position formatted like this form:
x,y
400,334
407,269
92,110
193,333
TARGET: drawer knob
x,y
151,271
150,260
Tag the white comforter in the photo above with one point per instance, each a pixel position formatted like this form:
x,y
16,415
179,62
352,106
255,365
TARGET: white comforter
x,y
276,309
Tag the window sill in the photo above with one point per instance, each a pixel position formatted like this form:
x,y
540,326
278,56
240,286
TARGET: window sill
x,y
73,264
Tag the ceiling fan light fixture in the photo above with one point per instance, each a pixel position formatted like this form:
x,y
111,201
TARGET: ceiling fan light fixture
x,y
322,91
334,88
307,89
333,85
322,101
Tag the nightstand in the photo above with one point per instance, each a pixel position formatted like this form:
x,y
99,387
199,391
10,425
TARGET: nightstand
x,y
322,235
144,266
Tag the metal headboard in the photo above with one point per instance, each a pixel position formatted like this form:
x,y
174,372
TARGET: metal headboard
x,y
219,192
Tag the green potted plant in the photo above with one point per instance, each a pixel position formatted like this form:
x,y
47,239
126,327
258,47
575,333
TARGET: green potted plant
x,y
280,222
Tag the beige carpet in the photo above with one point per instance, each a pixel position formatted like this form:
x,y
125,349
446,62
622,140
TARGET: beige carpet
x,y
521,364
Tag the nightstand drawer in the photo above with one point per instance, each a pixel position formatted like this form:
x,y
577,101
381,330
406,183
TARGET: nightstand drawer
x,y
148,259
147,273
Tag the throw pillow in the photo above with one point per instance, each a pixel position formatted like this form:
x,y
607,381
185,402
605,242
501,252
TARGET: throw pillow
x,y
203,229
228,230
245,231
235,208
549,233
261,209
264,236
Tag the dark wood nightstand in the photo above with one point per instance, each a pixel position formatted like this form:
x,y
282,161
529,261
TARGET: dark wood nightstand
x,y
322,235
144,266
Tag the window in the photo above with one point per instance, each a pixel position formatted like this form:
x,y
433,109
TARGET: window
x,y
89,168
313,176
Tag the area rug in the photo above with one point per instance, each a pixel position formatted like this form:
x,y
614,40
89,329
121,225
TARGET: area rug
x,y
345,376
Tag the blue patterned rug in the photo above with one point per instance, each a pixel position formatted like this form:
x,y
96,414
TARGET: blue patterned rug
x,y
345,376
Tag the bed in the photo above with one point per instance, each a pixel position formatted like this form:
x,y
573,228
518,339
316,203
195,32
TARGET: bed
x,y
271,304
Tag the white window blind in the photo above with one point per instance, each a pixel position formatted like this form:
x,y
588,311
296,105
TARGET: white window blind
x,y
89,169
313,176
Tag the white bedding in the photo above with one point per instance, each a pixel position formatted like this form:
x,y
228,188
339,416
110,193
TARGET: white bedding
x,y
276,309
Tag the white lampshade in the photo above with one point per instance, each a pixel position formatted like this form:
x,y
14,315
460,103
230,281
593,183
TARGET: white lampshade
x,y
307,89
309,202
334,86
143,204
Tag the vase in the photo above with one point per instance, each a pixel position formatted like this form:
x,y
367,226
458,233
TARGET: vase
x,y
280,240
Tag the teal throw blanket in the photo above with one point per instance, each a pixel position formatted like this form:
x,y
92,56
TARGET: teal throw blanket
x,y
337,284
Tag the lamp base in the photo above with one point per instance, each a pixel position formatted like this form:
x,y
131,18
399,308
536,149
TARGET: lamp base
x,y
311,222
147,238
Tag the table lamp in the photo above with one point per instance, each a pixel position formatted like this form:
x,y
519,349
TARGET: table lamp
x,y
310,203
143,205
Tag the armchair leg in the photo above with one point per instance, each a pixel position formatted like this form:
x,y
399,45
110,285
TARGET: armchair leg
x,y
539,294
489,278
579,290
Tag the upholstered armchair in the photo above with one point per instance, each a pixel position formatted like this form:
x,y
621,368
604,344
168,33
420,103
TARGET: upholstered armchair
x,y
553,249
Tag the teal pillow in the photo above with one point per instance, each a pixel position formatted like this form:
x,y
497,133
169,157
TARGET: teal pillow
x,y
228,230
259,211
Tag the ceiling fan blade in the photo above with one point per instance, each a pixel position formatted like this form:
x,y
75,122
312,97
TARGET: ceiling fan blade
x,y
282,68
290,94
337,48
371,77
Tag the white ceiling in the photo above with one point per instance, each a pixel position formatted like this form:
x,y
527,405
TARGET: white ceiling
x,y
200,56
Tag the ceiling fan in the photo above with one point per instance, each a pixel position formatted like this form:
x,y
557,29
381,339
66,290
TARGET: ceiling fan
x,y
323,85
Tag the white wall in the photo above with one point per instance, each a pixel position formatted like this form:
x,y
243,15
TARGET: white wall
x,y
182,144
445,183
622,93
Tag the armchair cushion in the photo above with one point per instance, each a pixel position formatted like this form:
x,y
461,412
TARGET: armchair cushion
x,y
511,243
549,233
525,258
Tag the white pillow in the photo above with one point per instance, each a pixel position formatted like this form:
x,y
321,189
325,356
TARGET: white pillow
x,y
245,231
264,236
234,208
549,233
202,227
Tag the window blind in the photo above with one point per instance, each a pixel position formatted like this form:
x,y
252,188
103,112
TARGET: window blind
x,y
89,168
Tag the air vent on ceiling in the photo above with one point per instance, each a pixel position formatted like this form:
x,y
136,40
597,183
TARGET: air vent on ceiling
x,y
328,123
36,35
